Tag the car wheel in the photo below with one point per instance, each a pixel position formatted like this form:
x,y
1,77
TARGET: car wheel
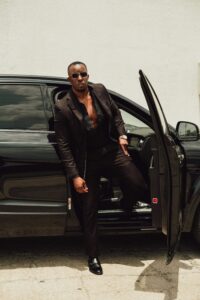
x,y
196,226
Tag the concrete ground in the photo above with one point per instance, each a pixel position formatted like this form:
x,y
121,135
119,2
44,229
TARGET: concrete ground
x,y
134,268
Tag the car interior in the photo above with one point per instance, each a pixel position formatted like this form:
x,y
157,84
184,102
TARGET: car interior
x,y
111,197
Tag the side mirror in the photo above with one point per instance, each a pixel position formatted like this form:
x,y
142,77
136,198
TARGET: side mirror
x,y
187,131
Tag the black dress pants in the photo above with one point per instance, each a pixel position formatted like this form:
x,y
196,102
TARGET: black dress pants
x,y
133,186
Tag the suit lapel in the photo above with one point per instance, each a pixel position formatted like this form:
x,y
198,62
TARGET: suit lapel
x,y
74,109
66,104
69,102
102,103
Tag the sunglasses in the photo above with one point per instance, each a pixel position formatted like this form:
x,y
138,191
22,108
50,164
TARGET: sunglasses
x,y
82,74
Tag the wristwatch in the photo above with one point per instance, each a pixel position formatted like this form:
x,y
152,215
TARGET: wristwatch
x,y
124,137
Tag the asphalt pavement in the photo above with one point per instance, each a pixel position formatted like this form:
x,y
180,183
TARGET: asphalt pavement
x,y
134,268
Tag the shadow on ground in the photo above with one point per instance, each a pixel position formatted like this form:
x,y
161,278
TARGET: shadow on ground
x,y
145,251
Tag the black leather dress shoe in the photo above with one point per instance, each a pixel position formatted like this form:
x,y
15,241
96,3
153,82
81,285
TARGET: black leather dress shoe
x,y
95,265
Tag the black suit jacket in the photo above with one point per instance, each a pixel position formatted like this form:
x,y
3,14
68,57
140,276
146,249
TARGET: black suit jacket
x,y
70,131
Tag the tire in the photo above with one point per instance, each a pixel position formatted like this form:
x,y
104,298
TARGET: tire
x,y
196,226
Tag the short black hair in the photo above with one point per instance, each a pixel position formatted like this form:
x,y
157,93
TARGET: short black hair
x,y
76,63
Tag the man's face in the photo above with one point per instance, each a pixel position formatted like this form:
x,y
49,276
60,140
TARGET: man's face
x,y
78,77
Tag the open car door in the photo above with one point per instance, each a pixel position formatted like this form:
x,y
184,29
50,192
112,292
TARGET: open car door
x,y
169,164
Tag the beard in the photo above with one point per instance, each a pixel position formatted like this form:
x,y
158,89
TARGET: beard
x,y
81,88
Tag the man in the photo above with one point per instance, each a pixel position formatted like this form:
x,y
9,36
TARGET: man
x,y
92,140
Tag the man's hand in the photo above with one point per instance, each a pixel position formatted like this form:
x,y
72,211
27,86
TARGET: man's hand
x,y
124,143
80,185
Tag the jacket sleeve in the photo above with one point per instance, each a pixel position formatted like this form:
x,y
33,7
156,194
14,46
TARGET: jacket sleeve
x,y
116,114
63,141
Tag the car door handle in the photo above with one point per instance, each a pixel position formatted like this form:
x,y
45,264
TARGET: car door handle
x,y
151,162
69,203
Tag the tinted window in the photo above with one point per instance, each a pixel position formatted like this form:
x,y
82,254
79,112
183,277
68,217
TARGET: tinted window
x,y
21,107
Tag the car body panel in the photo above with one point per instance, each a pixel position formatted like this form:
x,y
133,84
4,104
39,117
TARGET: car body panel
x,y
47,213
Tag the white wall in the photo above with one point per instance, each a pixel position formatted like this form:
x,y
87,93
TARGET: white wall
x,y
115,38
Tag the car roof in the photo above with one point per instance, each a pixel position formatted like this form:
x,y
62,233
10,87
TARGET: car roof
x,y
31,78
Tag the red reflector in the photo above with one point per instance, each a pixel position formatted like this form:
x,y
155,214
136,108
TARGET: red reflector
x,y
155,200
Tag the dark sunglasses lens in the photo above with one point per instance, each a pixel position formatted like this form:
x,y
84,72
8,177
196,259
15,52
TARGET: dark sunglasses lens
x,y
83,74
75,75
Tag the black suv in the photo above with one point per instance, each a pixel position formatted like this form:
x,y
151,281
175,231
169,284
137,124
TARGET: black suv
x,y
34,193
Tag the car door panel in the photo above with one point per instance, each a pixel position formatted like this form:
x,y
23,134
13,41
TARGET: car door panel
x,y
33,188
32,183
154,179
170,170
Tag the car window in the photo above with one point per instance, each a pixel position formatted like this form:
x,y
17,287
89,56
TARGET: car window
x,y
21,107
57,91
135,125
